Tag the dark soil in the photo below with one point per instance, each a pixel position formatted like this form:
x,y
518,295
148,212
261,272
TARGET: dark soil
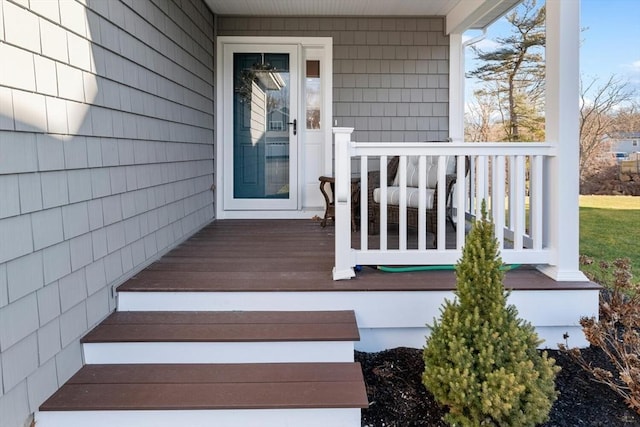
x,y
397,397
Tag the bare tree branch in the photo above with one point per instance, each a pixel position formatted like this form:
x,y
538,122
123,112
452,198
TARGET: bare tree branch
x,y
599,109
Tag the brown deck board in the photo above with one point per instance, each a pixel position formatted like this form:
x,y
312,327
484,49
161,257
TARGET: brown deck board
x,y
215,373
239,250
221,333
300,281
225,327
206,396
248,264
182,387
229,317
290,255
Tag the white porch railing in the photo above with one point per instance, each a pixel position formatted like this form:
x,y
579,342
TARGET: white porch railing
x,y
509,176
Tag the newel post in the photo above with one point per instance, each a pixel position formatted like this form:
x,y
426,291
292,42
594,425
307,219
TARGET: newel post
x,y
562,128
343,267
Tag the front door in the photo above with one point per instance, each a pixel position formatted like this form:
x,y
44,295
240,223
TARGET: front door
x,y
261,127
273,128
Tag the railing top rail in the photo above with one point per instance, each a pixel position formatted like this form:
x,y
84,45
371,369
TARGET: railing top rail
x,y
452,148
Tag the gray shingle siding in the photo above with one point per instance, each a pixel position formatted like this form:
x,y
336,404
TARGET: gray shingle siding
x,y
106,160
391,78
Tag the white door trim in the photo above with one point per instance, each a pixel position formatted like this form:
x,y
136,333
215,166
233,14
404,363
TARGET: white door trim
x,y
326,43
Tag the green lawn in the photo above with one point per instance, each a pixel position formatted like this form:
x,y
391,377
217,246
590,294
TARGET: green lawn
x,y
610,229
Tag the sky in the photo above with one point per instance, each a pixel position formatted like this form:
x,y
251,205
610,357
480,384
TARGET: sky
x,y
610,40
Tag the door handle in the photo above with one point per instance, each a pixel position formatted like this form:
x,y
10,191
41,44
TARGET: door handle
x,y
295,126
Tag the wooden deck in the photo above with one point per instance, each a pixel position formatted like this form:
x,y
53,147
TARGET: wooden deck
x,y
289,255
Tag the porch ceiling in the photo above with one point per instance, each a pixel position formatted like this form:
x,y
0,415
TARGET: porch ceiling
x,y
461,14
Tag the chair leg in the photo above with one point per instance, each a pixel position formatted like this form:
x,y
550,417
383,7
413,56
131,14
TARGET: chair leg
x,y
374,226
449,215
433,228
450,219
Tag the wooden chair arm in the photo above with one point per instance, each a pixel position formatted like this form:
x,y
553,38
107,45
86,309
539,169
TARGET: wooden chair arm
x,y
448,186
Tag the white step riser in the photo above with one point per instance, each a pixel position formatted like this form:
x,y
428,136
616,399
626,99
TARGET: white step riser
x,y
218,352
372,309
330,417
379,313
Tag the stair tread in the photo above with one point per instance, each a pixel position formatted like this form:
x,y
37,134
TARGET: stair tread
x,y
218,372
211,386
345,316
234,326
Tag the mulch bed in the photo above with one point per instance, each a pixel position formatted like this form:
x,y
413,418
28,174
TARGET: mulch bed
x,y
397,397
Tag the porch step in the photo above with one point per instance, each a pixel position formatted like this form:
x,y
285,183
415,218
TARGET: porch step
x,y
309,394
222,337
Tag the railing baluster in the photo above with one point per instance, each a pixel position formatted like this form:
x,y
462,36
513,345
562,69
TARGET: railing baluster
x,y
519,203
383,203
481,184
402,222
512,192
422,204
535,201
486,181
491,162
364,208
461,210
441,212
472,185
498,198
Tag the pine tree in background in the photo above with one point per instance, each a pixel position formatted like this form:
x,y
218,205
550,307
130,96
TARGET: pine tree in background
x,y
480,359
514,73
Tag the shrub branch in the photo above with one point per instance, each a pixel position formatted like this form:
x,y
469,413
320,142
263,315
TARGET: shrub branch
x,y
615,333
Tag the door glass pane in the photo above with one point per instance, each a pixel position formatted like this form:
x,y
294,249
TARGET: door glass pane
x,y
312,86
260,125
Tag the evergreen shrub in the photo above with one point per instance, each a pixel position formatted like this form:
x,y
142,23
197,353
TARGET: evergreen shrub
x,y
481,360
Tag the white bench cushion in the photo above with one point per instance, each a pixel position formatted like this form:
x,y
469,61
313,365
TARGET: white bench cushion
x,y
393,196
432,171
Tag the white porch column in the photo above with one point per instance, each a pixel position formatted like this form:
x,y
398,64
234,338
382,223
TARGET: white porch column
x,y
343,267
562,130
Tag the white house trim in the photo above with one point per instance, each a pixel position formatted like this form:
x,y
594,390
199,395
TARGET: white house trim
x,y
476,14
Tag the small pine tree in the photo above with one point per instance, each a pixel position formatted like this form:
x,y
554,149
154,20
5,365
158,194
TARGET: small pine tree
x,y
481,361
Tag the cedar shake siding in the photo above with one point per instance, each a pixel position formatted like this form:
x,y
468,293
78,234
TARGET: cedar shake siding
x,y
106,162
